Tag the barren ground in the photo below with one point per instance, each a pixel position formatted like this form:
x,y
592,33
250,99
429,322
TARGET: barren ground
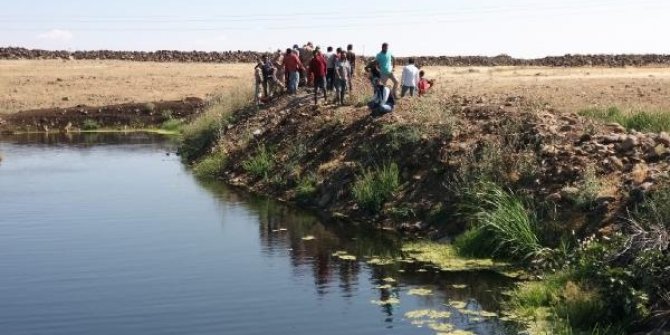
x,y
31,84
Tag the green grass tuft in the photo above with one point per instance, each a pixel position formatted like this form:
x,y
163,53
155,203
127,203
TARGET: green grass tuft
x,y
260,164
375,186
211,166
645,121
173,125
203,132
501,225
90,124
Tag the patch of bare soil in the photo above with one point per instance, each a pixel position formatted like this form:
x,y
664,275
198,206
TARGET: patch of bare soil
x,y
133,115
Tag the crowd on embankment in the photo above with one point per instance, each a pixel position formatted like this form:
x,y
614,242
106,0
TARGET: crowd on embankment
x,y
252,56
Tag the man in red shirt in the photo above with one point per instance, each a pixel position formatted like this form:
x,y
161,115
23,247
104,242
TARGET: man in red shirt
x,y
317,67
293,66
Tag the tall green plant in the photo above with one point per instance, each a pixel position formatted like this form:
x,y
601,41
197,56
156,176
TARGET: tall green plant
x,y
375,186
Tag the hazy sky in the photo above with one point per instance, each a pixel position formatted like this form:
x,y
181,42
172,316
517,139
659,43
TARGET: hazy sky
x,y
521,28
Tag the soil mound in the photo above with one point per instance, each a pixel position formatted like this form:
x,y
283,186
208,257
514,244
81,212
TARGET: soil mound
x,y
136,115
591,172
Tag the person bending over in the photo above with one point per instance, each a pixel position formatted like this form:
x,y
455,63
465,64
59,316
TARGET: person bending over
x,y
383,101
424,84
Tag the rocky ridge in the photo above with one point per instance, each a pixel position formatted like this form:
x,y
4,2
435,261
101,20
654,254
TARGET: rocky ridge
x,y
252,56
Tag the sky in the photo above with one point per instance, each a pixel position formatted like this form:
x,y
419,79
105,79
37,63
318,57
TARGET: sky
x,y
519,28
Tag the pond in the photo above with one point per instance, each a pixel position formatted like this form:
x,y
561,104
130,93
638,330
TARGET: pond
x,y
111,234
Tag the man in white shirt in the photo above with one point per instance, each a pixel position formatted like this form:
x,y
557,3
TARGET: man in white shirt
x,y
410,78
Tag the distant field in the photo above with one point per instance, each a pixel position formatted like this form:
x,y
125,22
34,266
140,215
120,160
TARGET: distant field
x,y
30,84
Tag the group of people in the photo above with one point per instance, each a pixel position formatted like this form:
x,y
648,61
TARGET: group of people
x,y
334,70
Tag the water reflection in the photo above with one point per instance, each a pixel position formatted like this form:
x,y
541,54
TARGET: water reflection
x,y
282,228
155,246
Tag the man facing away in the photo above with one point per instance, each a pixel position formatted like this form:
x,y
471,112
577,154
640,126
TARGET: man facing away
x,y
293,66
410,78
330,66
351,57
385,62
317,67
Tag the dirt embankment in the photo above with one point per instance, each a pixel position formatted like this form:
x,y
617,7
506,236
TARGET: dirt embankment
x,y
251,56
591,172
134,115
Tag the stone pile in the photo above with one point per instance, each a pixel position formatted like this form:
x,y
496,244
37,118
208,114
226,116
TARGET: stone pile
x,y
251,56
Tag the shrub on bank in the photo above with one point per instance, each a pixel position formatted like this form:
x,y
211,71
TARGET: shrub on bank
x,y
211,166
260,164
203,132
375,186
501,225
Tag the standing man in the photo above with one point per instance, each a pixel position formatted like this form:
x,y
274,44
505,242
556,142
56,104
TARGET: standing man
x,y
386,62
342,71
409,79
317,67
351,57
280,76
293,66
330,68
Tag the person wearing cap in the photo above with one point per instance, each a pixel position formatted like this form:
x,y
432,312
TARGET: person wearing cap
x,y
385,62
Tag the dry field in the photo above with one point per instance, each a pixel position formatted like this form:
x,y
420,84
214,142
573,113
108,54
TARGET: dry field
x,y
566,89
30,84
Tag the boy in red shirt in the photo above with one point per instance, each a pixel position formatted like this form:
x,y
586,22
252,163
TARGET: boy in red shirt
x,y
293,66
424,84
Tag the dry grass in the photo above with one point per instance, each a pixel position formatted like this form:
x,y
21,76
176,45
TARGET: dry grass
x,y
30,84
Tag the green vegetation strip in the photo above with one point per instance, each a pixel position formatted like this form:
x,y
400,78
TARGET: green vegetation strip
x,y
645,121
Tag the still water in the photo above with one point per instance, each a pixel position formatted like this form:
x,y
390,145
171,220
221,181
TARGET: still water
x,y
107,234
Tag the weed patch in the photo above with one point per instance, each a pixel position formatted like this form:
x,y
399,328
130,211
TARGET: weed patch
x,y
645,121
375,186
211,166
260,164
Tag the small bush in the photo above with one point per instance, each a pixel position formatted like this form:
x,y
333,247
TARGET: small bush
x,y
205,131
646,121
401,135
90,124
306,188
260,164
173,125
501,225
211,166
375,186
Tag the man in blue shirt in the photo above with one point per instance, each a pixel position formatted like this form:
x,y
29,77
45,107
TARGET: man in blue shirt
x,y
386,62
